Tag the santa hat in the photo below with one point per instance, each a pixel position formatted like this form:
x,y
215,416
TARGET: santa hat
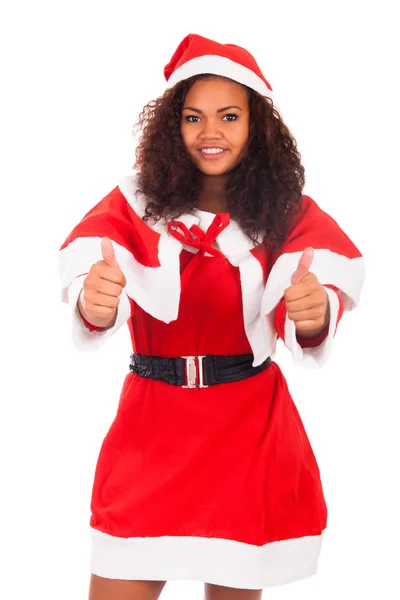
x,y
196,54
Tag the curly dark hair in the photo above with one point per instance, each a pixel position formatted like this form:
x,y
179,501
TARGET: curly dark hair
x,y
263,192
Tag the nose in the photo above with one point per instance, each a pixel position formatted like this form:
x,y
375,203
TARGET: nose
x,y
211,130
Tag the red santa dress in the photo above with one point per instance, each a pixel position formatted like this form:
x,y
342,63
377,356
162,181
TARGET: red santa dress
x,y
218,484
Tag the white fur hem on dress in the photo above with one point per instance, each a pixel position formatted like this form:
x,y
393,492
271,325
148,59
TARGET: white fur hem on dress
x,y
214,560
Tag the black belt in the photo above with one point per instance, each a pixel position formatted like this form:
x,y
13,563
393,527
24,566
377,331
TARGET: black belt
x,y
196,371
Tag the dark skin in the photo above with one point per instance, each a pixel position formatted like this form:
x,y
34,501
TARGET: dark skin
x,y
216,115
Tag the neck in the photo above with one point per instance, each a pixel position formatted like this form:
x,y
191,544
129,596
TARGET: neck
x,y
212,194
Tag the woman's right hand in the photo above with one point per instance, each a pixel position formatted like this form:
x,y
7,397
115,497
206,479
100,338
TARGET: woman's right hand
x,y
99,298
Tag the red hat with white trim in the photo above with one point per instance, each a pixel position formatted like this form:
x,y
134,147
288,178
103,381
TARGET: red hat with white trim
x,y
196,55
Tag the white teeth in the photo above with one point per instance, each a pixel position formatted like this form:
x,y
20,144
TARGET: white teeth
x,y
212,150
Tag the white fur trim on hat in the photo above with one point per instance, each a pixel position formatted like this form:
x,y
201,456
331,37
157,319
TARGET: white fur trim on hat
x,y
220,65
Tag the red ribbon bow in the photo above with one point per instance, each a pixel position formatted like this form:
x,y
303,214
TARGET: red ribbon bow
x,y
196,238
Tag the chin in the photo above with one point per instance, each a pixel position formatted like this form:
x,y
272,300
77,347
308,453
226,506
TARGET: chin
x,y
214,170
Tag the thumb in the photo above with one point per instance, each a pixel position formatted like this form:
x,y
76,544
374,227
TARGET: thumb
x,y
108,253
304,265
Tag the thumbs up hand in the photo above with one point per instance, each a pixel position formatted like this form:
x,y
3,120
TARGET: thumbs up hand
x,y
306,300
102,287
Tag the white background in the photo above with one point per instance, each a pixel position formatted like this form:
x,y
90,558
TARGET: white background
x,y
75,75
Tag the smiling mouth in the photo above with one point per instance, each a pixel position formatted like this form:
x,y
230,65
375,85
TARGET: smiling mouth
x,y
212,152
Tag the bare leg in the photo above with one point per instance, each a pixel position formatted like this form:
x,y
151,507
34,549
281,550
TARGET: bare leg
x,y
121,589
219,592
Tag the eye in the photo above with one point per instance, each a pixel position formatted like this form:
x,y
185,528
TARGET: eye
x,y
227,117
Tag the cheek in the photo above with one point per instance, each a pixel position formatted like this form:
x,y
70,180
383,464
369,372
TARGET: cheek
x,y
241,136
187,135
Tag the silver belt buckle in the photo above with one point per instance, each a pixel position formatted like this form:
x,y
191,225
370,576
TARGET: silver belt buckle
x,y
191,372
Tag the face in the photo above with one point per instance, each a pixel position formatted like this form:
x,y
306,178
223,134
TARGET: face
x,y
215,124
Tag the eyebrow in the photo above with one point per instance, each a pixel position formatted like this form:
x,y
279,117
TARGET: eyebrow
x,y
218,111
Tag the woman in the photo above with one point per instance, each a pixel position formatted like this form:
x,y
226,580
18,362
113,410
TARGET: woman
x,y
209,252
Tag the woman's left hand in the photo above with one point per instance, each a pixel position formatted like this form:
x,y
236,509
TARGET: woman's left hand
x,y
307,301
